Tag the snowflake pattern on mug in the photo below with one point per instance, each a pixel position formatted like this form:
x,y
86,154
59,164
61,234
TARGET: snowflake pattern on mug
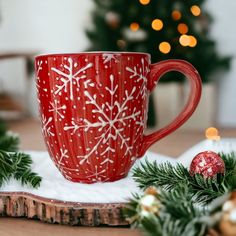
x,y
70,78
110,126
92,122
140,73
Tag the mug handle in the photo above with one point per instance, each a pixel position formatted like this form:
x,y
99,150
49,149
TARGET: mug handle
x,y
156,71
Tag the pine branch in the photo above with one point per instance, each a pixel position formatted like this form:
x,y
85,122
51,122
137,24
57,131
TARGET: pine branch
x,y
179,203
22,172
163,175
12,164
178,214
5,167
152,226
230,170
184,213
184,199
207,189
230,163
131,211
20,161
165,225
28,177
9,143
18,166
169,177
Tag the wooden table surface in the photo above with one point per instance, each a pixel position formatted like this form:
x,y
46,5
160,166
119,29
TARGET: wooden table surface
x,y
31,139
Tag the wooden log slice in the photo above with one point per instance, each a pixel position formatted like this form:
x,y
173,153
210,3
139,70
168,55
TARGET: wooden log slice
x,y
20,204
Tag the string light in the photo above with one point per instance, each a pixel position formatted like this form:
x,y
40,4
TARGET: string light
x,y
188,40
134,26
212,133
164,47
157,24
176,15
144,2
192,41
184,40
182,28
196,11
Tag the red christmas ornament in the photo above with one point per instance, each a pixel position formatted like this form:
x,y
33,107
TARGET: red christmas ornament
x,y
208,164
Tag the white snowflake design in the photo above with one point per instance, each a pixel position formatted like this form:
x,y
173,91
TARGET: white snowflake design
x,y
59,160
111,127
46,128
60,157
141,75
39,68
57,110
109,57
72,77
39,65
97,175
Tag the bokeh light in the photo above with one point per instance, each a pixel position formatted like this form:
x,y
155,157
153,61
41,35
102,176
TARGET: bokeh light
x,y
196,11
176,15
144,2
184,40
182,28
134,26
212,133
192,41
164,47
157,24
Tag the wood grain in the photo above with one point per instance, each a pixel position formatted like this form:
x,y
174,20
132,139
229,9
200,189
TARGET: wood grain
x,y
16,204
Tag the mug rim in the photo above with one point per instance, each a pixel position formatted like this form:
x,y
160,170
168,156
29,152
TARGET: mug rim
x,y
91,52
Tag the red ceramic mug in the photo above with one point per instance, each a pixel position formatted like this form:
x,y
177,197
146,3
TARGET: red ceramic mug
x,y
93,110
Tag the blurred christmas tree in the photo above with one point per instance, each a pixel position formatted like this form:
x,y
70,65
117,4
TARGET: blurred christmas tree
x,y
164,28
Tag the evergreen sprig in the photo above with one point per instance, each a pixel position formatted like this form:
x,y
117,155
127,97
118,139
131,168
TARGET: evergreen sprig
x,y
164,175
14,164
230,165
178,215
18,166
165,225
186,202
168,176
9,142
